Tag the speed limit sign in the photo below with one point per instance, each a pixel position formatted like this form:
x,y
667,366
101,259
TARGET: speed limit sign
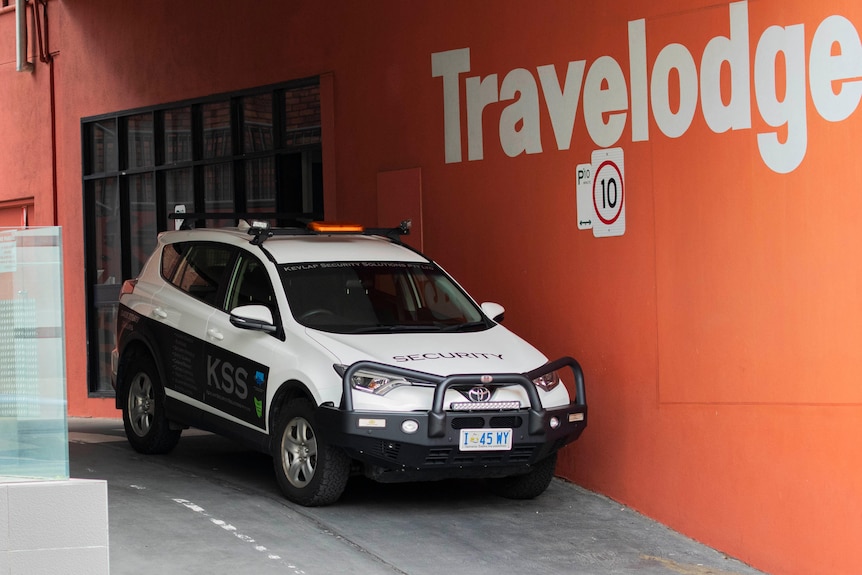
x,y
602,194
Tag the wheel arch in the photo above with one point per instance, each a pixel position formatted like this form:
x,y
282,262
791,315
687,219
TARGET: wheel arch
x,y
287,391
131,349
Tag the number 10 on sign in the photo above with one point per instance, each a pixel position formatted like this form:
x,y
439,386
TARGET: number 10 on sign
x,y
602,194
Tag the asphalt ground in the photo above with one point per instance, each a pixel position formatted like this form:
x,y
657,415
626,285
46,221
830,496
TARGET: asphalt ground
x,y
212,506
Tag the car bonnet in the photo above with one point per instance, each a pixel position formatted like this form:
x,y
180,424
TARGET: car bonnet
x,y
496,350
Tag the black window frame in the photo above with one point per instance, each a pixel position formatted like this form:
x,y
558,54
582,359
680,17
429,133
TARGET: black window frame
x,y
294,163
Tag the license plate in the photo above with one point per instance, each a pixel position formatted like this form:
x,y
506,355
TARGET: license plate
x,y
485,440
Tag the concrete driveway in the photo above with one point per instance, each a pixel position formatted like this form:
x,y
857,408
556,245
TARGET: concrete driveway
x,y
212,506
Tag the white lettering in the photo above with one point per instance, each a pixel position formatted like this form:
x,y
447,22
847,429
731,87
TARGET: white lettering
x,y
600,100
562,103
674,57
449,65
638,73
480,93
524,112
826,70
736,115
782,157
780,66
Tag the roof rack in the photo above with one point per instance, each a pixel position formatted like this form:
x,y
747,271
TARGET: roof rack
x,y
189,220
260,230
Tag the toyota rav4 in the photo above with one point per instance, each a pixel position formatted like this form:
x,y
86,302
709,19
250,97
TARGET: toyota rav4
x,y
338,350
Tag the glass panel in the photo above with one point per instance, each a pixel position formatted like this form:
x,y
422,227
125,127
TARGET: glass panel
x,y
108,277
216,122
33,438
103,147
260,185
106,321
178,135
107,219
142,221
302,116
140,141
218,192
185,137
179,190
257,123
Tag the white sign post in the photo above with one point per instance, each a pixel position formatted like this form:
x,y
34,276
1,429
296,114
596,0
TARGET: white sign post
x,y
600,189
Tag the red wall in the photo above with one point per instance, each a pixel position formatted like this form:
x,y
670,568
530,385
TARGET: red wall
x,y
25,133
719,334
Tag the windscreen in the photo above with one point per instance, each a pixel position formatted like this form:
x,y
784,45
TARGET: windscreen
x,y
378,297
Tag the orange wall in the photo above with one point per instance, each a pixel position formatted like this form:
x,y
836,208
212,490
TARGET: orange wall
x,y
719,334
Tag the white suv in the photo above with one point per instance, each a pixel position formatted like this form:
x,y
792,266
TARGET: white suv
x,y
337,350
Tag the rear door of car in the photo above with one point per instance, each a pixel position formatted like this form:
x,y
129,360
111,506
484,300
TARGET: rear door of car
x,y
196,288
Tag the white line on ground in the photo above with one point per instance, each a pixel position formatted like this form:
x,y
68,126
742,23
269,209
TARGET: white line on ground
x,y
236,533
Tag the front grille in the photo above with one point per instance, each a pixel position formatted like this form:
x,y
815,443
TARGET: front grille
x,y
521,454
468,422
442,455
471,458
513,421
437,455
386,449
479,422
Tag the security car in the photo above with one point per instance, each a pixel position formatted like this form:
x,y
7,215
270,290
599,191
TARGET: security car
x,y
338,350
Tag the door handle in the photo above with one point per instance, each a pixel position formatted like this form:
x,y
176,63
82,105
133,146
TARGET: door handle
x,y
160,313
215,334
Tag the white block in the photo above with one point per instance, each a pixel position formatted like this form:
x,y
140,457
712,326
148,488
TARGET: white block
x,y
4,527
73,561
49,527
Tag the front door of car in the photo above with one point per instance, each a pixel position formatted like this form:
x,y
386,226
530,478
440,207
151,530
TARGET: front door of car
x,y
238,360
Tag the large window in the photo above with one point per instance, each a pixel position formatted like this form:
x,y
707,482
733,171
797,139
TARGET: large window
x,y
252,151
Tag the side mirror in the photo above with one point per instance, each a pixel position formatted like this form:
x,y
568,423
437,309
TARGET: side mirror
x,y
253,317
493,310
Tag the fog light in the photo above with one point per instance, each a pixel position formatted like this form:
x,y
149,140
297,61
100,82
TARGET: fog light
x,y
555,422
368,422
409,426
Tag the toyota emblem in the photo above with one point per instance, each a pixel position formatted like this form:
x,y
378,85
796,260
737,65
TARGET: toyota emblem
x,y
479,393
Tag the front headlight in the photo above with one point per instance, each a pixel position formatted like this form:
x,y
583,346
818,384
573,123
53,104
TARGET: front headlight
x,y
372,382
547,381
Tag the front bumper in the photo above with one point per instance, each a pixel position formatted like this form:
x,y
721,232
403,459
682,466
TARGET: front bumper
x,y
379,439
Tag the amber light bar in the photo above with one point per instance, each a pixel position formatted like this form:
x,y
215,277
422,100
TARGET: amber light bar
x,y
327,227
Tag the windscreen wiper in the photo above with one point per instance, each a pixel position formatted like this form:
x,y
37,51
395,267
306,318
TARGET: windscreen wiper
x,y
465,327
398,328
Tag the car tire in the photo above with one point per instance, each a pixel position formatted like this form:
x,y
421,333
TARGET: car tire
x,y
529,485
309,472
147,428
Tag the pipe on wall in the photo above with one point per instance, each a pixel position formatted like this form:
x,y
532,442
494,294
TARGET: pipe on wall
x,y
23,65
